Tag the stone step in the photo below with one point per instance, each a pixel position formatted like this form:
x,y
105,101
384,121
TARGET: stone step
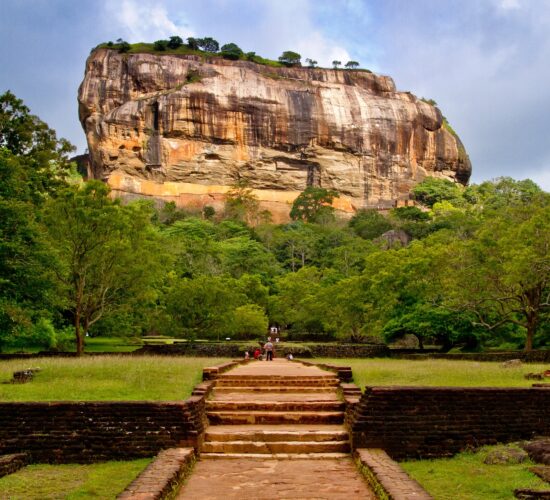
x,y
275,456
274,433
274,376
275,417
280,382
289,406
256,447
276,389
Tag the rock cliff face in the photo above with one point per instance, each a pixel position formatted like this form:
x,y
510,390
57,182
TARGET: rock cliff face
x,y
184,129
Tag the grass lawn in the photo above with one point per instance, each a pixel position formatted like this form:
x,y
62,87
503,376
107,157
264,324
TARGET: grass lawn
x,y
111,344
436,372
71,481
104,378
92,344
465,476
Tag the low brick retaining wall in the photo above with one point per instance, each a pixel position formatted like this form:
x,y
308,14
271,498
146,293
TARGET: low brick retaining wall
x,y
85,432
12,463
541,356
162,477
230,350
212,372
343,373
386,477
414,422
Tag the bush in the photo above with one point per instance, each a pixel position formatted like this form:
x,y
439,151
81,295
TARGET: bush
x,y
231,51
161,45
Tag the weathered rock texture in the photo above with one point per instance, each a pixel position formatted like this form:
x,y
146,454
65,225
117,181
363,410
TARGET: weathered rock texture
x,y
184,129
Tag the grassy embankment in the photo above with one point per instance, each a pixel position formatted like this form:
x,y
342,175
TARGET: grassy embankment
x,y
72,481
465,476
437,372
105,378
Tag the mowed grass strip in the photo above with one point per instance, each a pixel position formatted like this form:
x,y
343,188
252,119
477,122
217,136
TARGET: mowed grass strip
x,y
436,372
105,378
103,480
465,477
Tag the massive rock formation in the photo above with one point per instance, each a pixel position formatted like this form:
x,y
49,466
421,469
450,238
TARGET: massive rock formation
x,y
184,128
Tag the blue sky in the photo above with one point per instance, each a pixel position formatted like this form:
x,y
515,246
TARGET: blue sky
x,y
486,62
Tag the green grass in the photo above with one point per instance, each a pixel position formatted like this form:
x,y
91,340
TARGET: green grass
x,y
71,481
93,344
432,372
105,378
112,344
465,477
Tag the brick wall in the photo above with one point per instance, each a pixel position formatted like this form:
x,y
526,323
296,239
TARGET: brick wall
x,y
93,431
411,422
540,356
237,351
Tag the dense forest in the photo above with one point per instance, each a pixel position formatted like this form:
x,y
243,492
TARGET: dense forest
x,y
467,266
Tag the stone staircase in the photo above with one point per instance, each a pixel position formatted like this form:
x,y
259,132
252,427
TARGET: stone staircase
x,y
276,415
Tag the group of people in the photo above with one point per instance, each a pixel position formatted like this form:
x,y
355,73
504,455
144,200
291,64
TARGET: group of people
x,y
269,351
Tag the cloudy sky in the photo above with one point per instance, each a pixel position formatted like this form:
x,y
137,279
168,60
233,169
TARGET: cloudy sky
x,y
485,62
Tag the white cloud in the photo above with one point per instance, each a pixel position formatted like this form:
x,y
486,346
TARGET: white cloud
x,y
291,26
142,20
509,4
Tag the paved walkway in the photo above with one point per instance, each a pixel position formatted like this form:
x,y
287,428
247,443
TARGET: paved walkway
x,y
335,479
279,367
279,436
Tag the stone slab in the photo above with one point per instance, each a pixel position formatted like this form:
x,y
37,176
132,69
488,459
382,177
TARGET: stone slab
x,y
330,479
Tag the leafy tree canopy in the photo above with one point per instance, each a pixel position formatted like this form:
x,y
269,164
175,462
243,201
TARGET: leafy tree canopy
x,y
289,58
314,204
231,51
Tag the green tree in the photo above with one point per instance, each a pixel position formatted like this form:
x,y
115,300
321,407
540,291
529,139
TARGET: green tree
x,y
123,46
311,63
369,224
44,157
352,65
33,167
175,42
107,252
502,274
231,51
432,190
161,45
314,205
241,203
208,44
193,43
289,58
204,306
295,304
249,321
335,64
502,192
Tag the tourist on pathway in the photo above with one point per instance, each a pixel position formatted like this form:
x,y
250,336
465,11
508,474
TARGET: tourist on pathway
x,y
268,347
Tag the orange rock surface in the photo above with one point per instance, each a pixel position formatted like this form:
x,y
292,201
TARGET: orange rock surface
x,y
184,129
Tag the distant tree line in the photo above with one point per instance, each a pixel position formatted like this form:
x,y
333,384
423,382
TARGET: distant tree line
x,y
228,51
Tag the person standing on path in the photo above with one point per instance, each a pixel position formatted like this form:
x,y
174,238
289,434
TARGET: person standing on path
x,y
268,347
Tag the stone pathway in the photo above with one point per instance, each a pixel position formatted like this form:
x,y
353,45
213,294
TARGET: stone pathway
x,y
276,432
334,479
